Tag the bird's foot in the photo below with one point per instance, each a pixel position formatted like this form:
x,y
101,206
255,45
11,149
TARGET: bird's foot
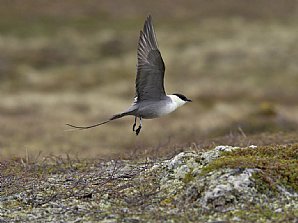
x,y
138,130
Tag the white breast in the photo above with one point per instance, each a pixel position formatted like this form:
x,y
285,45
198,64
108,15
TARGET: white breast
x,y
172,105
168,108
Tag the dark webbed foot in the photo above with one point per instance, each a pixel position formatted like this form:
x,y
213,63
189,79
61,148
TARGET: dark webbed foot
x,y
138,130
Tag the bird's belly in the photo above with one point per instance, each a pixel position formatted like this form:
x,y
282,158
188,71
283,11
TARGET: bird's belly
x,y
154,111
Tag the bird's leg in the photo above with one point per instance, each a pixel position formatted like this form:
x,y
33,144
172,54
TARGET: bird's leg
x,y
139,128
134,124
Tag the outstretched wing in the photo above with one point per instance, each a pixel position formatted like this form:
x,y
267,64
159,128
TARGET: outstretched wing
x,y
150,67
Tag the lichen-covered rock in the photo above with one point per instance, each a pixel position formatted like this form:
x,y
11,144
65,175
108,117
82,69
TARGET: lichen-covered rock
x,y
223,184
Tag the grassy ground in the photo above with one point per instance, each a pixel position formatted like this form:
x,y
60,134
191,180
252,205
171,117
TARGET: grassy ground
x,y
153,189
75,63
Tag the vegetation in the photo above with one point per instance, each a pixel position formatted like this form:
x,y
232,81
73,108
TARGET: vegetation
x,y
74,62
56,189
237,61
278,164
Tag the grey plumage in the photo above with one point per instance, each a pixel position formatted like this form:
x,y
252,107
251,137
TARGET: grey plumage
x,y
150,67
151,100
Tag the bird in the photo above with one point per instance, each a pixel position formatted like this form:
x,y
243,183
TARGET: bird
x,y
151,100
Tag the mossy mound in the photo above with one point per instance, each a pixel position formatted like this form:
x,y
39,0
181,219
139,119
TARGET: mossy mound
x,y
253,184
277,164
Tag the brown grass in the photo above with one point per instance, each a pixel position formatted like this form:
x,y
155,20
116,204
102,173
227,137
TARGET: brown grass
x,y
236,60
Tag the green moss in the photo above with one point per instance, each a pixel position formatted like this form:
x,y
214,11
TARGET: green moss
x,y
264,185
188,177
166,202
262,214
278,164
12,204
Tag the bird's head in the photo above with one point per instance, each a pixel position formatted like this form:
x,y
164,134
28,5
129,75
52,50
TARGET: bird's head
x,y
180,99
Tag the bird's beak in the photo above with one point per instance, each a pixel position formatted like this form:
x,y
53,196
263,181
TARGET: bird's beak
x,y
189,100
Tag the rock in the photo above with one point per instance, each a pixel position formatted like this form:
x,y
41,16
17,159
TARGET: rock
x,y
198,186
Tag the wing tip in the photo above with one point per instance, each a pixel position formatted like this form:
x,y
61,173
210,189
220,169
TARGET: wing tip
x,y
147,34
149,17
148,22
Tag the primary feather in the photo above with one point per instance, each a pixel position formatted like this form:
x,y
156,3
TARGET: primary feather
x,y
150,67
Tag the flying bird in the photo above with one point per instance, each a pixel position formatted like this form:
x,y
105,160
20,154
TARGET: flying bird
x,y
151,100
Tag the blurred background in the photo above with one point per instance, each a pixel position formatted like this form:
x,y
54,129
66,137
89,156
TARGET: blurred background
x,y
74,62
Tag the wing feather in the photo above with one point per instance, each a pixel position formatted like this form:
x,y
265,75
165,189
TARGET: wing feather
x,y
150,67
